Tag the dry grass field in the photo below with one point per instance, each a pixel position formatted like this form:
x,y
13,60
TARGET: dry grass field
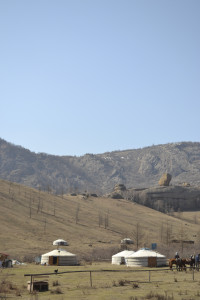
x,y
129,283
31,220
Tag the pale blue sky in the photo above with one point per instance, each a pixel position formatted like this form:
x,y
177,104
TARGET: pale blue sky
x,y
90,76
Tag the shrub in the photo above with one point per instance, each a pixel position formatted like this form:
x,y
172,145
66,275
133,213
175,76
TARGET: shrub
x,y
18,293
121,282
135,285
6,286
156,296
57,291
56,283
114,283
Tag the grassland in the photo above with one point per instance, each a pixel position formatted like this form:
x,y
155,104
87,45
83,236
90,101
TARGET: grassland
x,y
31,220
164,284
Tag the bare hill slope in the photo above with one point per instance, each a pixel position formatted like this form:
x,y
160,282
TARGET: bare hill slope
x,y
99,173
31,220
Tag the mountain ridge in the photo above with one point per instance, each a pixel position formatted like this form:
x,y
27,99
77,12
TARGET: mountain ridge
x,y
99,173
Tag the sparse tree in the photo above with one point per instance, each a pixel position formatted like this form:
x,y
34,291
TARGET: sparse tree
x,y
161,232
138,235
168,234
182,236
77,213
54,208
48,189
106,223
195,219
100,219
41,206
30,211
180,214
10,185
45,225
38,207
62,192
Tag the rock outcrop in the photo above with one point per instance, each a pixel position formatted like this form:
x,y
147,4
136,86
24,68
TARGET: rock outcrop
x,y
165,179
120,187
167,198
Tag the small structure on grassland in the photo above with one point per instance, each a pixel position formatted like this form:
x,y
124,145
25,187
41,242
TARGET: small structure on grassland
x,y
127,241
5,262
146,258
59,257
120,258
39,285
60,242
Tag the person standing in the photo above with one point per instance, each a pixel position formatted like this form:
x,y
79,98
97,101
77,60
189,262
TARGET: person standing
x,y
197,262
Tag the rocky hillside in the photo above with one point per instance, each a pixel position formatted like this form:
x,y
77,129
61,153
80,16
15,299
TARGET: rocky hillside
x,y
139,168
167,199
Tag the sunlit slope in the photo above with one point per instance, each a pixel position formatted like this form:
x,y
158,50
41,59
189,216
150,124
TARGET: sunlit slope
x,y
31,220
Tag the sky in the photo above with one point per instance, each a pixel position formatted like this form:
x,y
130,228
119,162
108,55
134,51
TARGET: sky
x,y
95,76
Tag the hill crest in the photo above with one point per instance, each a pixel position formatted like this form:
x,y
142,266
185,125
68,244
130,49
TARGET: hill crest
x,y
100,173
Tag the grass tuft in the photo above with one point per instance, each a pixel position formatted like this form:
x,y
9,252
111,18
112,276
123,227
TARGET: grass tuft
x,y
57,291
56,283
135,285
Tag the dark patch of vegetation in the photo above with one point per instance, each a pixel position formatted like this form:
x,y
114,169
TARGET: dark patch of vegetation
x,y
157,296
56,283
57,291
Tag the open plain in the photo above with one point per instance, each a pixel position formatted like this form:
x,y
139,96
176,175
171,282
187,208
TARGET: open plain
x,y
108,282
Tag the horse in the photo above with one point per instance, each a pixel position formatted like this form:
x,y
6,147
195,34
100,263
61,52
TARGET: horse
x,y
191,262
172,261
180,263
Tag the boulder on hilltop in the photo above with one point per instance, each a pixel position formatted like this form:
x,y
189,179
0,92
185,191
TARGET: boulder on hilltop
x,y
165,179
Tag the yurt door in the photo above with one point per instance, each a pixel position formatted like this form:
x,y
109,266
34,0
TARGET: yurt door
x,y
53,260
152,262
50,260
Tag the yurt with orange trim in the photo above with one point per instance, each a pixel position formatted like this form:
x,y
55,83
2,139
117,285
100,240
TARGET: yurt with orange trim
x,y
146,258
59,257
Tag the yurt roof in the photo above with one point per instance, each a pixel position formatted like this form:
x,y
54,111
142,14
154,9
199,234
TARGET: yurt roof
x,y
127,240
59,252
60,242
145,252
124,253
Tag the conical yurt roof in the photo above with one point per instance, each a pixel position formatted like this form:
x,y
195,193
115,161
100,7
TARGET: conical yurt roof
x,y
60,242
124,253
146,252
59,252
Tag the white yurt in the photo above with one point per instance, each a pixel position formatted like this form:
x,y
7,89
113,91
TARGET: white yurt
x,y
127,241
146,258
59,257
120,258
60,242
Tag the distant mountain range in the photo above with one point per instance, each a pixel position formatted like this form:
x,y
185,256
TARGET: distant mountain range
x,y
137,168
